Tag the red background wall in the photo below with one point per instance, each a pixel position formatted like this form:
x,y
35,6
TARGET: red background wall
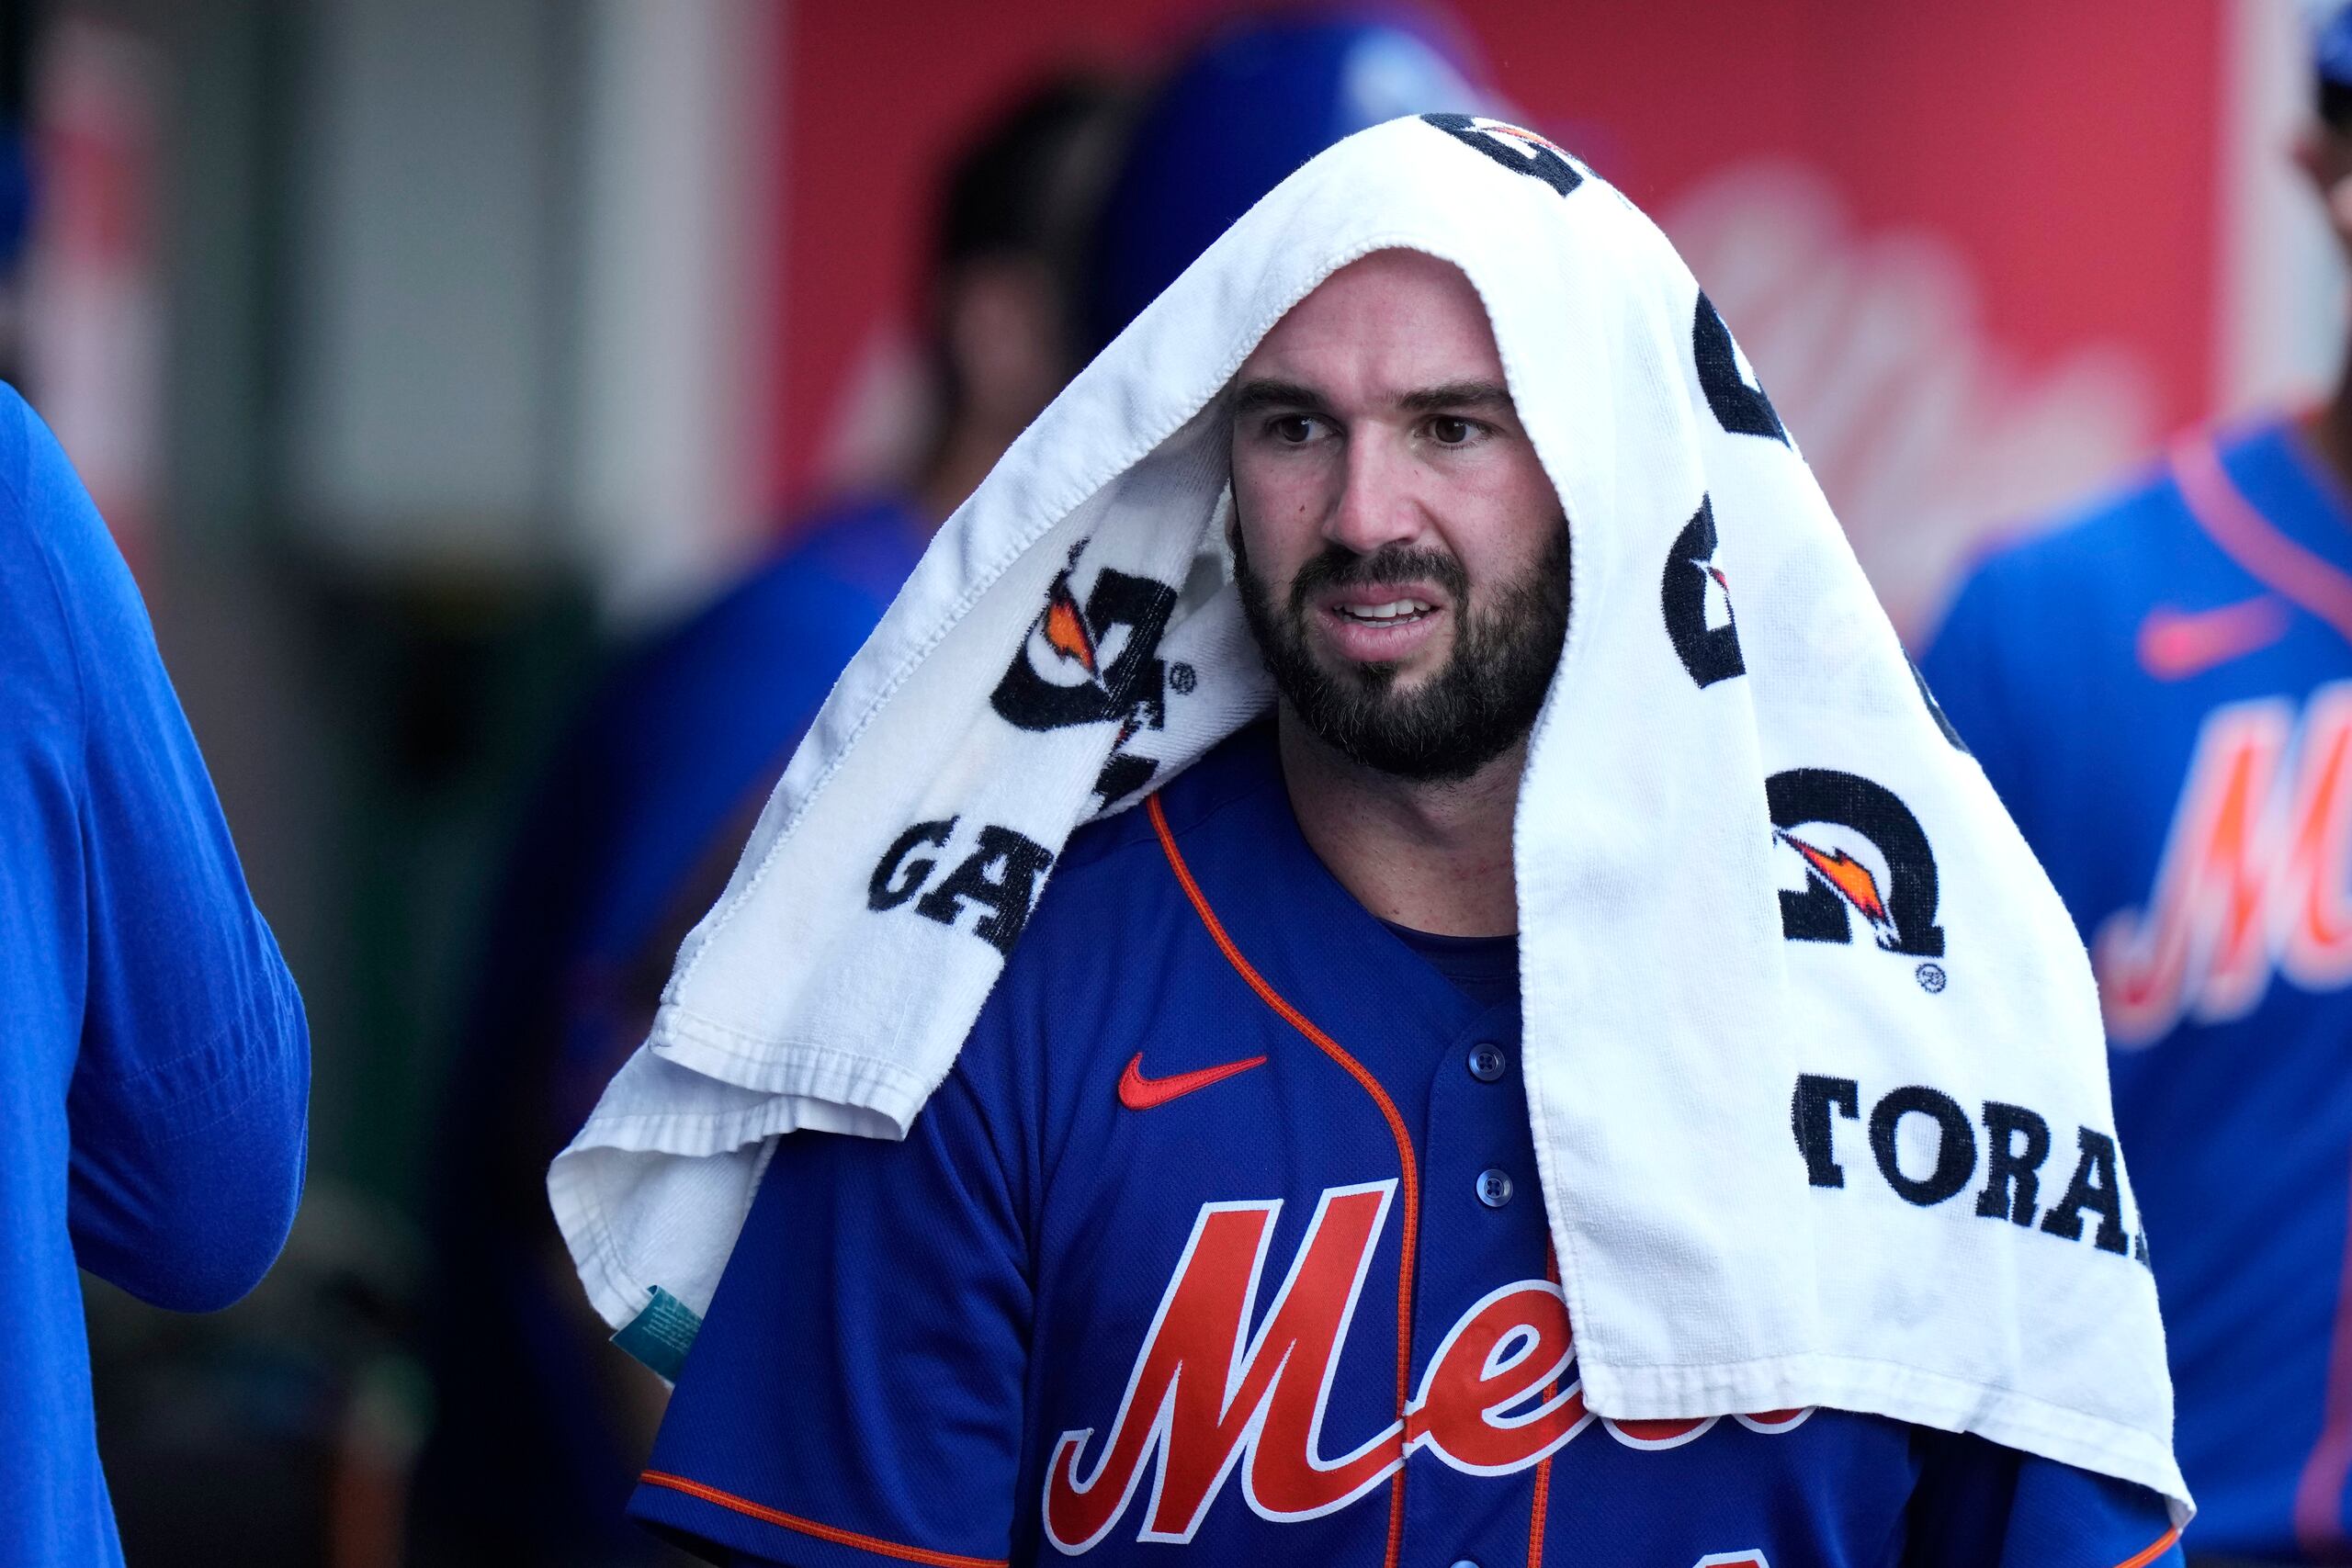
x,y
2066,151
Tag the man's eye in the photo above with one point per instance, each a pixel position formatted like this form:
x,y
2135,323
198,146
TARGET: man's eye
x,y
1291,429
1448,430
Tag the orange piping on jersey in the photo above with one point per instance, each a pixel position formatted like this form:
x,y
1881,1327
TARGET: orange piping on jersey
x,y
1543,1501
810,1527
1371,1086
1544,1466
2163,1544
2252,541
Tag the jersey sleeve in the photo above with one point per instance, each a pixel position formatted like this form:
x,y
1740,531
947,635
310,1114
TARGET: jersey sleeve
x,y
856,1393
188,1105
1982,1505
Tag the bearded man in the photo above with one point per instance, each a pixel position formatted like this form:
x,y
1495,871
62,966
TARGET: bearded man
x,y
1300,1188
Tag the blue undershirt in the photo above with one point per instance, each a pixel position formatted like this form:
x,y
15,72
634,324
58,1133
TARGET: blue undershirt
x,y
1483,968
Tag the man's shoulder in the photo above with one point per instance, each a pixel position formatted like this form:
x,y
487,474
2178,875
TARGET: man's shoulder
x,y
2136,542
76,624
2078,596
733,682
57,557
1113,954
1113,898
832,577
2117,541
1102,857
872,541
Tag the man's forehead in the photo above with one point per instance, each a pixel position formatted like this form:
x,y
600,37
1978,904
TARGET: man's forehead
x,y
1399,317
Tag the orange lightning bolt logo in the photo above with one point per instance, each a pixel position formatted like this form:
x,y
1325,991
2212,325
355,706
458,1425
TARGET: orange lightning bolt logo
x,y
1067,632
1520,133
1850,878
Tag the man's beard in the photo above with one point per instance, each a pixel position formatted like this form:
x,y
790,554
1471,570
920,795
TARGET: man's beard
x,y
1457,720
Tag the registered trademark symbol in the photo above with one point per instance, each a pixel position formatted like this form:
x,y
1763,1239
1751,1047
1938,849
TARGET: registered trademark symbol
x,y
1932,977
1180,676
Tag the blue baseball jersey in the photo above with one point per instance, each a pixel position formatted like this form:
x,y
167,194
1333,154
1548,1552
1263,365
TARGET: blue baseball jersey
x,y
2162,694
154,1096
1225,1233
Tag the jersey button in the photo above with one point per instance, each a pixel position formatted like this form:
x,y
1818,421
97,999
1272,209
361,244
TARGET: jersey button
x,y
1487,1061
1494,1187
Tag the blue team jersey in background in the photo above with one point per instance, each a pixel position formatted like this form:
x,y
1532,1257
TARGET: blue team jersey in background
x,y
1158,1265
152,1102
2162,694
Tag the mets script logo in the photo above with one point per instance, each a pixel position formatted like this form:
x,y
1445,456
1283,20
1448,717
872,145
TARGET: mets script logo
x,y
1696,597
2253,880
1864,854
1096,664
1208,1400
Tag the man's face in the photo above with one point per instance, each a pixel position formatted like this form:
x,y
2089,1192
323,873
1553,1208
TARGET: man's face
x,y
1402,556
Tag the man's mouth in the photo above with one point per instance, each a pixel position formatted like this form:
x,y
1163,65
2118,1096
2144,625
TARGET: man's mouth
x,y
1382,623
1396,612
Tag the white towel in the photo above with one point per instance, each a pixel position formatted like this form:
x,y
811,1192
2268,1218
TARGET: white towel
x,y
1800,1006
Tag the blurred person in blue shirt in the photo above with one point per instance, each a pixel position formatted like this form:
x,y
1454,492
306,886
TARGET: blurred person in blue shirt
x,y
2161,691
158,1068
629,837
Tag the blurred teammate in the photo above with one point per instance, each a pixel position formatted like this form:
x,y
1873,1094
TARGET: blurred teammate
x,y
157,1068
1248,103
540,1426
2161,693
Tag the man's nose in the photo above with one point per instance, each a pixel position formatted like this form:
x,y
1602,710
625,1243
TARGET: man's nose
x,y
1377,506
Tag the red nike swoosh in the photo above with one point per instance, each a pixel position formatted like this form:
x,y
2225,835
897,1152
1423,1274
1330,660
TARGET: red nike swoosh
x,y
1137,1092
2176,644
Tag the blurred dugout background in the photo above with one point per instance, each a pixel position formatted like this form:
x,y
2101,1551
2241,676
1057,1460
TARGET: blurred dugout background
x,y
422,350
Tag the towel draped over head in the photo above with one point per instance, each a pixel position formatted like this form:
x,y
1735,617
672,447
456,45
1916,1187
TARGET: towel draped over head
x,y
1813,1054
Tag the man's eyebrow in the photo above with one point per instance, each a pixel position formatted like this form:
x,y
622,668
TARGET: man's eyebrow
x,y
1456,395
1264,394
